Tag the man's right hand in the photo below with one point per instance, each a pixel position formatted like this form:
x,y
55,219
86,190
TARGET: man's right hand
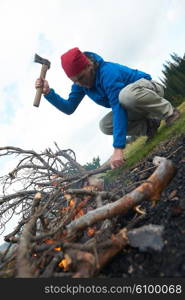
x,y
117,159
42,83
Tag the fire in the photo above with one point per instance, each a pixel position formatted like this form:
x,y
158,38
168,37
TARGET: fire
x,y
49,242
67,208
58,249
71,203
91,231
65,263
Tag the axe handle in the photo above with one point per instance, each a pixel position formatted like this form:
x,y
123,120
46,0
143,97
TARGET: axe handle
x,y
39,90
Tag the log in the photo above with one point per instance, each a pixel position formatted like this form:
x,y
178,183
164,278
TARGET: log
x,y
85,264
149,190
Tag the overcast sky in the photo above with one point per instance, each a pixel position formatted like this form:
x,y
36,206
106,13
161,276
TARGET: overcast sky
x,y
138,33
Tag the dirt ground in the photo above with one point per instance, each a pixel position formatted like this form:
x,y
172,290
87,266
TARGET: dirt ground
x,y
169,212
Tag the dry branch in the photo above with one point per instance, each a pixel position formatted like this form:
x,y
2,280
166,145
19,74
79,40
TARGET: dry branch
x,y
150,190
86,267
23,258
70,230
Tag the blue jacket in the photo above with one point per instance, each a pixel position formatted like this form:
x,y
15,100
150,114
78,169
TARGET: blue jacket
x,y
110,79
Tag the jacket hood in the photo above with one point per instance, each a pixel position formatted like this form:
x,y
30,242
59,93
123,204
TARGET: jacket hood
x,y
95,56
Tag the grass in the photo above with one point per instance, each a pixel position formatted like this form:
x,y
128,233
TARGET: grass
x,y
137,150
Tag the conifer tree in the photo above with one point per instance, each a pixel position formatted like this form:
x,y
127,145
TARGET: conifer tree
x,y
174,79
93,165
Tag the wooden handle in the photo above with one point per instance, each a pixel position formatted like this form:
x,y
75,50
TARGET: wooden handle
x,y
39,90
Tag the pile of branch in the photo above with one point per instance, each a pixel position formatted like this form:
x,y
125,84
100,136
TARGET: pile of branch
x,y
66,220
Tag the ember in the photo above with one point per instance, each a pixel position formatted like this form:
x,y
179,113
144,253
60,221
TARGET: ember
x,y
65,263
58,249
49,242
72,203
91,231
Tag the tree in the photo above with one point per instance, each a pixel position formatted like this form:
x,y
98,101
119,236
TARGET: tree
x,y
174,79
93,165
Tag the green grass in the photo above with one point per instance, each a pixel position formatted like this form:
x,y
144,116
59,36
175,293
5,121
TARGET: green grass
x,y
137,150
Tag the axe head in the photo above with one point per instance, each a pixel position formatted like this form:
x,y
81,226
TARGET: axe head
x,y
42,61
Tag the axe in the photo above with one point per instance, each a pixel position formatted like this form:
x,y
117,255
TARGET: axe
x,y
45,66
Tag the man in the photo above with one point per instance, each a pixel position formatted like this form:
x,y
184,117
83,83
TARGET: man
x,y
136,101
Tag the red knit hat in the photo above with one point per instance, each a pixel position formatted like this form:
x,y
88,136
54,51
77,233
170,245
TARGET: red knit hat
x,y
73,62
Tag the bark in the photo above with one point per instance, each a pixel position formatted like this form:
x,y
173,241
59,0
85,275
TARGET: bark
x,y
87,265
150,190
23,257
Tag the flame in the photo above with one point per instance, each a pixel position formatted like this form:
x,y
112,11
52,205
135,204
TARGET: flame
x,y
65,263
49,241
58,249
91,231
35,254
72,203
66,208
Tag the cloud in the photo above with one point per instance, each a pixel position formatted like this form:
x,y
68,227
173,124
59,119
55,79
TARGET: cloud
x,y
132,33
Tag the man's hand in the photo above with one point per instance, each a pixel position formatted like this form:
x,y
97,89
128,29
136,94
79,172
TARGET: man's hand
x,y
40,82
117,158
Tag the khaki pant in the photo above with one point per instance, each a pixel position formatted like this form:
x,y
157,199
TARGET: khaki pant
x,y
141,99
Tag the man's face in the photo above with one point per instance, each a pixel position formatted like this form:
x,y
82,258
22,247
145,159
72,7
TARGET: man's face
x,y
85,78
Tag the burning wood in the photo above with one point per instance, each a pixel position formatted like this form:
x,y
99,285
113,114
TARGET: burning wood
x,y
91,231
150,190
71,230
65,263
152,239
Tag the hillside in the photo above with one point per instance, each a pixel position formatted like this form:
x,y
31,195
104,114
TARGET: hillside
x,y
168,212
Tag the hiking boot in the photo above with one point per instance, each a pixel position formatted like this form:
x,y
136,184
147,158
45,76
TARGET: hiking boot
x,y
171,119
152,126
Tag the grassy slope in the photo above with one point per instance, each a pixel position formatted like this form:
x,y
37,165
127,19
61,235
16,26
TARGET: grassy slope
x,y
137,150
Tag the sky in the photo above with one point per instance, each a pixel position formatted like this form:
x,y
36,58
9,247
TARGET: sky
x,y
138,33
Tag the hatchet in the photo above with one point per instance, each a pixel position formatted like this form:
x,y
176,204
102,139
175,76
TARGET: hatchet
x,y
45,66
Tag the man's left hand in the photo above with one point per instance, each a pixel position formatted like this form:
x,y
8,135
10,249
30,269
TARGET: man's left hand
x,y
117,158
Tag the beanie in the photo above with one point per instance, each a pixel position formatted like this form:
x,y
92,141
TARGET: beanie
x,y
73,62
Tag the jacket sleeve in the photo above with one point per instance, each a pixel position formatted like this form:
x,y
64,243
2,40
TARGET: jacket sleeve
x,y
112,85
66,106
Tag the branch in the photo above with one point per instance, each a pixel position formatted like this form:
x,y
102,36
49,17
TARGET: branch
x,y
150,190
17,195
